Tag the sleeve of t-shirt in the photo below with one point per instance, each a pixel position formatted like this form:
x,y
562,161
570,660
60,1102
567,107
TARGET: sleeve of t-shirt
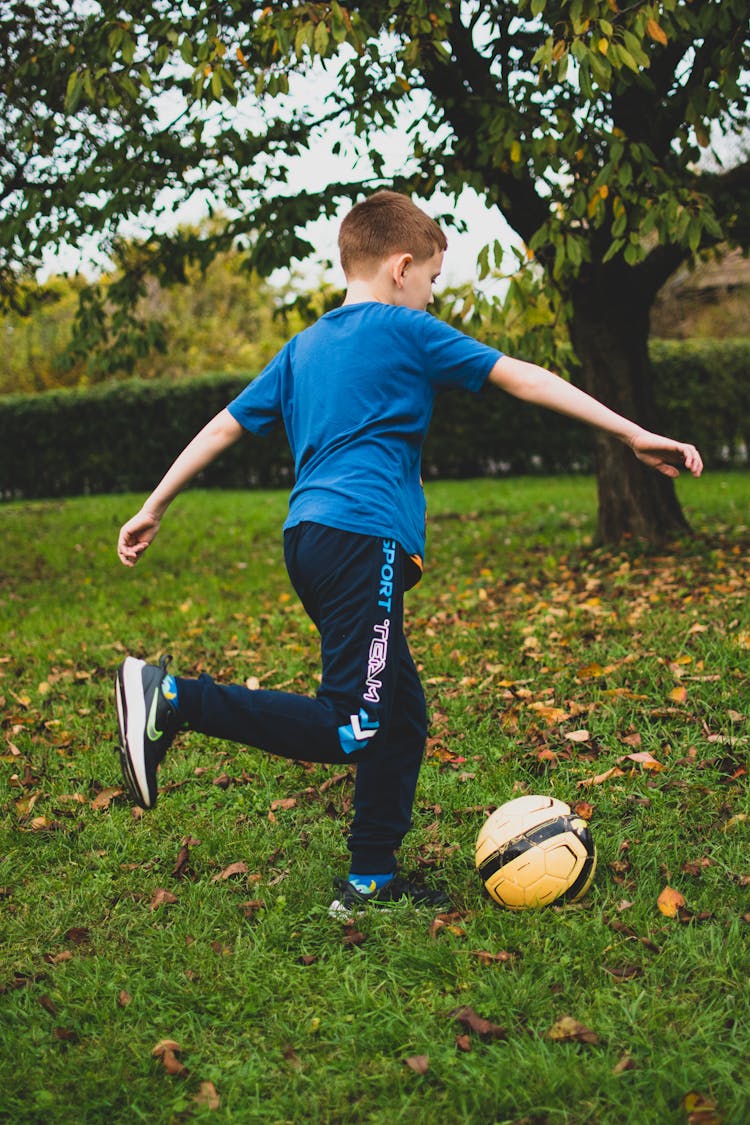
x,y
453,359
258,407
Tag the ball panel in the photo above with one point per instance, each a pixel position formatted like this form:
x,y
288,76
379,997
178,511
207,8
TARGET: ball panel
x,y
533,851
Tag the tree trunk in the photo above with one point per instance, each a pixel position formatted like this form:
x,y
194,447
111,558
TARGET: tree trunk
x,y
609,330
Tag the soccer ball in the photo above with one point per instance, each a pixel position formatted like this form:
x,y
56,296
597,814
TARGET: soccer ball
x,y
534,851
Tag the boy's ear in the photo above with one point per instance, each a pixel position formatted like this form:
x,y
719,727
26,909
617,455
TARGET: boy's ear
x,y
400,265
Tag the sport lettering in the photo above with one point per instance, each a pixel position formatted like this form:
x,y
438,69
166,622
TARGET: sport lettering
x,y
385,593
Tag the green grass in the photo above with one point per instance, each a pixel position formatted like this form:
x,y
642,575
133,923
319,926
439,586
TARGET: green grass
x,y
525,633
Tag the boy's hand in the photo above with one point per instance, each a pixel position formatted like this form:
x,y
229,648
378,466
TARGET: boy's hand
x,y
135,537
665,455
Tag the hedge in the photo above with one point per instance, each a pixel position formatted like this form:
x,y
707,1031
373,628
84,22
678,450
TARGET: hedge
x,y
121,437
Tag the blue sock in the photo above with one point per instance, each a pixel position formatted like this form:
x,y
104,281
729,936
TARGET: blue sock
x,y
368,884
169,690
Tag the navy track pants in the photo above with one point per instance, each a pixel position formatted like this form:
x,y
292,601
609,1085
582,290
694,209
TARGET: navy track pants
x,y
369,709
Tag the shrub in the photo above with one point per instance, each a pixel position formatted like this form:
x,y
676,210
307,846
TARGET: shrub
x,y
123,436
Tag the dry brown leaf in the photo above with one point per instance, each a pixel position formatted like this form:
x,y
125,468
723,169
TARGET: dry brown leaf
x,y
480,1026
251,907
238,868
167,1050
353,936
57,958
162,897
79,935
501,957
600,778
670,901
207,1097
420,1064
104,799
623,1064
567,1030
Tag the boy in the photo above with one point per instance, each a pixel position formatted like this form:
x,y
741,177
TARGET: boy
x,y
355,393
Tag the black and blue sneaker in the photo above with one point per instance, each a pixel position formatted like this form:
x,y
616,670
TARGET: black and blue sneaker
x,y
148,723
398,889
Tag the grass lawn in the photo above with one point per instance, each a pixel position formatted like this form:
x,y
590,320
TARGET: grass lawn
x,y
204,922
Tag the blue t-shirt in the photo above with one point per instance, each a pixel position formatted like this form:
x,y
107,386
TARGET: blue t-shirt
x,y
355,392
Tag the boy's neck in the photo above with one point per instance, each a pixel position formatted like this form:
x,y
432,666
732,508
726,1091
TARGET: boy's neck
x,y
358,291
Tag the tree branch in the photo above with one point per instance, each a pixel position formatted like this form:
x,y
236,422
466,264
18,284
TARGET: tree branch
x,y
462,87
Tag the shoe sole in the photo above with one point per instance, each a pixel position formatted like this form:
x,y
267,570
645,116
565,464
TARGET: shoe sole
x,y
131,719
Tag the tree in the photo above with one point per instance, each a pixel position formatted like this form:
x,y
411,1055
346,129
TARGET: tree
x,y
226,320
584,121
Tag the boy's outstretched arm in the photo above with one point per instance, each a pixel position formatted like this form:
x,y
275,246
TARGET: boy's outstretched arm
x,y
534,384
136,535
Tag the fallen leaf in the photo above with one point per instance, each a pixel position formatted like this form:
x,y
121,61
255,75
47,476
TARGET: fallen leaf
x,y
162,897
463,1042
167,1050
104,799
283,803
251,907
353,936
678,694
124,998
594,671
292,1058
420,1064
600,778
58,958
551,715
643,758
578,736
207,1097
487,958
623,1064
480,1026
670,901
569,1030
48,1004
701,1110
238,868
79,935
447,922
624,972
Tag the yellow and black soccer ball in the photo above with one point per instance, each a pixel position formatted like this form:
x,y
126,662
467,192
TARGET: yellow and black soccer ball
x,y
534,851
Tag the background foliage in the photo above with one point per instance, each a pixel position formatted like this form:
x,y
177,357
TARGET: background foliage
x,y
123,436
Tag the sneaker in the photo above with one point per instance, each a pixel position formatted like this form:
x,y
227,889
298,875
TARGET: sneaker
x,y
398,889
148,724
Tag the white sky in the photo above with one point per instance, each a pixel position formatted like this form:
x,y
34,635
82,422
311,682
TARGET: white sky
x,y
314,169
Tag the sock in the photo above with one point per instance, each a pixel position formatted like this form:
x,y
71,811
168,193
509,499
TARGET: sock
x,y
169,690
368,884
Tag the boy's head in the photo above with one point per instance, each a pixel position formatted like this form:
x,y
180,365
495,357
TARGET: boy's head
x,y
383,225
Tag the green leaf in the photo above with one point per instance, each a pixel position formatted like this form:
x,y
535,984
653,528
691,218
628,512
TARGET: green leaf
x,y
73,91
321,39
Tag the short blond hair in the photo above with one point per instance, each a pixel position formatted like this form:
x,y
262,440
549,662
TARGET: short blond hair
x,y
383,224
